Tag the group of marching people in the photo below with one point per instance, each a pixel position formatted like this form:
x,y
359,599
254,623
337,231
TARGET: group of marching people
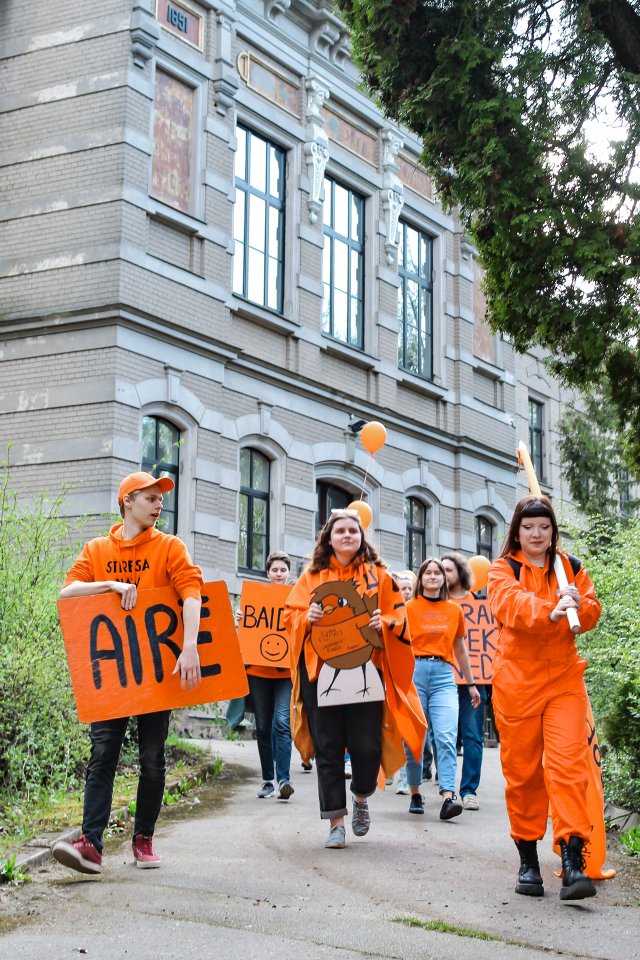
x,y
539,696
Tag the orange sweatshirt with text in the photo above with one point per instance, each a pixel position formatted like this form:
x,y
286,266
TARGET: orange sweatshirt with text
x,y
152,559
434,626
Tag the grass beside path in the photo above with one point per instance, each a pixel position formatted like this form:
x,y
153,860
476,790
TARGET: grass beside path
x,y
25,818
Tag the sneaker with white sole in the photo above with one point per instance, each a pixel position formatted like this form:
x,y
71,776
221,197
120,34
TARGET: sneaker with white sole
x,y
143,853
403,787
285,790
360,821
81,855
470,802
347,770
336,839
266,790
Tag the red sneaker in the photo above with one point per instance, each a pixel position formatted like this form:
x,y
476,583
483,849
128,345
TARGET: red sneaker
x,y
143,853
81,855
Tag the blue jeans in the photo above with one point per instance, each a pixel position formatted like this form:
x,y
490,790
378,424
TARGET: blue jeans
x,y
106,742
437,691
271,705
472,730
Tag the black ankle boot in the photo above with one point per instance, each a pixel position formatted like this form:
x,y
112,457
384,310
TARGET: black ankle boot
x,y
575,884
529,878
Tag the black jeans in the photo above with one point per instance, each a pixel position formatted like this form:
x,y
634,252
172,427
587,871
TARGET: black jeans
x,y
356,727
106,742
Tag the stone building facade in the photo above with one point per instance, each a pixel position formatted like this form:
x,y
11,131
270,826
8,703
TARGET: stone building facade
x,y
219,258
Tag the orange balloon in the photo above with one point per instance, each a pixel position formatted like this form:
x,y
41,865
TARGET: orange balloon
x,y
479,572
363,510
373,436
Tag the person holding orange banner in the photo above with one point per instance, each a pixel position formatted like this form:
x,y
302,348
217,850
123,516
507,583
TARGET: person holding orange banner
x,y
437,636
347,568
270,689
134,556
470,718
539,695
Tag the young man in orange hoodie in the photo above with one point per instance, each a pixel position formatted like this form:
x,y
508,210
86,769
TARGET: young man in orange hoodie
x,y
135,556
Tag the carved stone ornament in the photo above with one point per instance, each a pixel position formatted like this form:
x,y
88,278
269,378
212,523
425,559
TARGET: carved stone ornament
x,y
316,145
275,8
145,34
225,77
392,191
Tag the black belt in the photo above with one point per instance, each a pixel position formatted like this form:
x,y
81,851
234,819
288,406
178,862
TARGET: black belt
x,y
429,658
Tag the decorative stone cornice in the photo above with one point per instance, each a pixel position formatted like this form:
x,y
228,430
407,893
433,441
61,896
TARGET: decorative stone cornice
x,y
225,77
145,34
392,192
275,8
316,145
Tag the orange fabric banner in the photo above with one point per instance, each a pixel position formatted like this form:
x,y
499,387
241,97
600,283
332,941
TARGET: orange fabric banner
x,y
263,638
121,661
482,636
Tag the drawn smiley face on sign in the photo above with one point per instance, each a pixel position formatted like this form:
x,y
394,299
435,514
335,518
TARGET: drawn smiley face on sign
x,y
274,647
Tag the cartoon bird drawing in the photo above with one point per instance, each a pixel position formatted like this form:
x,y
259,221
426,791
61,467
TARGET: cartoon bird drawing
x,y
343,637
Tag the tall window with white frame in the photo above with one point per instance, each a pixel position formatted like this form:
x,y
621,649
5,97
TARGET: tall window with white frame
x,y
161,458
331,496
536,436
417,537
258,230
415,302
255,484
485,537
343,264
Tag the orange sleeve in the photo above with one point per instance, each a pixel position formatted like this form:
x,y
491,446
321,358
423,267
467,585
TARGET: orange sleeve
x,y
82,569
590,606
460,630
515,608
185,576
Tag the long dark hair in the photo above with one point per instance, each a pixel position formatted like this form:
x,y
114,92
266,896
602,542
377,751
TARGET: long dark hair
x,y
323,551
418,590
461,565
532,506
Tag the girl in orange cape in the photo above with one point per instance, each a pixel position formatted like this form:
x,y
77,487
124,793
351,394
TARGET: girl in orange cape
x,y
539,696
371,731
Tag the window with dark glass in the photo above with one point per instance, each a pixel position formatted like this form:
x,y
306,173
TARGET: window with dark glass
x,y
417,518
536,412
161,458
415,301
343,264
258,230
484,537
253,542
331,497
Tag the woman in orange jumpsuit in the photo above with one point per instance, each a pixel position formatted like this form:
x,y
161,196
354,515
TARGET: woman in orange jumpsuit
x,y
539,696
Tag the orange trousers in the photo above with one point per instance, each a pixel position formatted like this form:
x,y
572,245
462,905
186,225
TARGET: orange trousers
x,y
541,709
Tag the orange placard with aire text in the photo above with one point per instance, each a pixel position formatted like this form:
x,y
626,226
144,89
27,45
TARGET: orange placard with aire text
x,y
122,661
263,639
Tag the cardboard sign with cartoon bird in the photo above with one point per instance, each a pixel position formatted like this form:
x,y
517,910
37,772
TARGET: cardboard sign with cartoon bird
x,y
344,640
263,639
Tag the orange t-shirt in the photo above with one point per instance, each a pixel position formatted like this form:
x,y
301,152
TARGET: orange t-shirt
x,y
434,625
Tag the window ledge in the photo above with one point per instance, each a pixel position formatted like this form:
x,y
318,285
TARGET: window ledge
x,y
183,222
353,355
488,370
422,385
262,316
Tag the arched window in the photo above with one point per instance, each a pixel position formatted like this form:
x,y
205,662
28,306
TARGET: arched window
x,y
253,542
331,496
485,537
161,458
417,516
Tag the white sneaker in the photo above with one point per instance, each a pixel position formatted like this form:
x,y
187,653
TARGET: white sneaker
x,y
403,787
470,802
347,769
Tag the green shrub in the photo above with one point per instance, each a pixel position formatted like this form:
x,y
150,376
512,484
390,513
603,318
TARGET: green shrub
x,y
610,550
42,745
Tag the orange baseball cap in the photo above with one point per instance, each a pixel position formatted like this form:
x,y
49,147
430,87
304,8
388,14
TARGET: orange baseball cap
x,y
140,481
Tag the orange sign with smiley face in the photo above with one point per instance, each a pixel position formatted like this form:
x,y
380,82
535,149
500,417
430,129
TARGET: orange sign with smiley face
x,y
263,639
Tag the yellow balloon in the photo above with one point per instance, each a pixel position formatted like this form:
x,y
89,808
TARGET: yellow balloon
x,y
373,436
479,572
363,510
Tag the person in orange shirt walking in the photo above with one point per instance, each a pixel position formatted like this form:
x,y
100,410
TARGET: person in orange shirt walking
x,y
539,695
437,635
134,556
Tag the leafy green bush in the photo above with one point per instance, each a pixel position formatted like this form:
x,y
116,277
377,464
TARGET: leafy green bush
x,y
42,745
610,550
